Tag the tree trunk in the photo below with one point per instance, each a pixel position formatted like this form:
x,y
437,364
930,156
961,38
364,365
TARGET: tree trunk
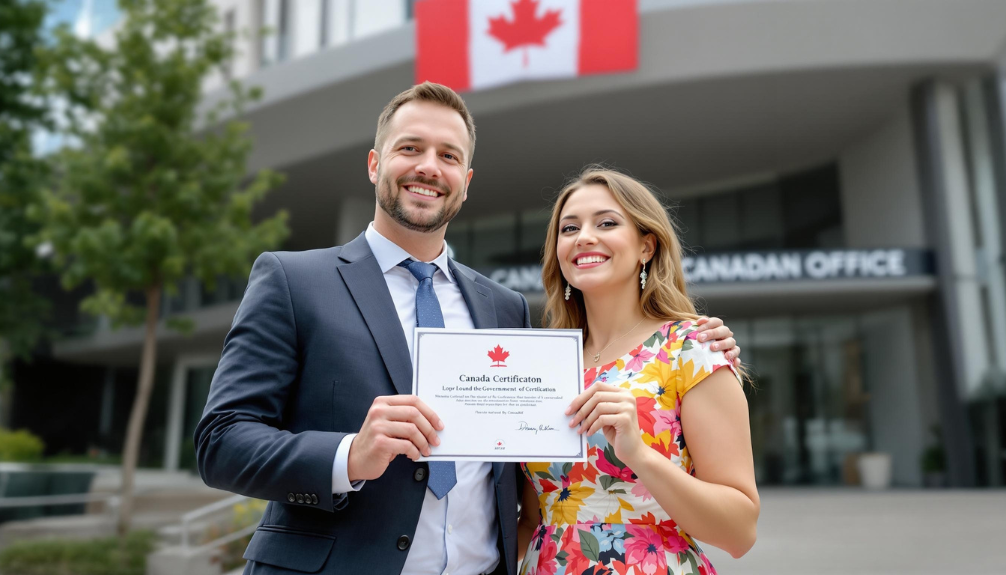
x,y
144,387
6,385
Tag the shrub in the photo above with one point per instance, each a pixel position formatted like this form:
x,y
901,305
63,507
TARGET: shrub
x,y
20,446
79,557
243,515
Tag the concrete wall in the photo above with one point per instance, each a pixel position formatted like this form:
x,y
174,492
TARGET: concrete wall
x,y
891,376
880,193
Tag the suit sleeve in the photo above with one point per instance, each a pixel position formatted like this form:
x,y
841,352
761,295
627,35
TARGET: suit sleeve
x,y
241,441
527,310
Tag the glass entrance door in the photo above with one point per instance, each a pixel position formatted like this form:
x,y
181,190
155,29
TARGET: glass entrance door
x,y
807,404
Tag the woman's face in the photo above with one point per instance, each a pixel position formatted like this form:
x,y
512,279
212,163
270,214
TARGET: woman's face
x,y
598,246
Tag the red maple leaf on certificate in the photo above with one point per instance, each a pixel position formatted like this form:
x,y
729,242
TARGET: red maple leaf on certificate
x,y
499,356
526,29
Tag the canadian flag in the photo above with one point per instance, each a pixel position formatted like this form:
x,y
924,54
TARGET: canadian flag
x,y
475,44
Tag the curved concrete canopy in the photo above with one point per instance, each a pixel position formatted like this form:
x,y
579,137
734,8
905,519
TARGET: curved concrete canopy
x,y
329,101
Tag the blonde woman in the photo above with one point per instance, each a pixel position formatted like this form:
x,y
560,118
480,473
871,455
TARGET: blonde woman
x,y
612,267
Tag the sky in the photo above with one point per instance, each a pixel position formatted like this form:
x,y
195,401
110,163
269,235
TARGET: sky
x,y
85,17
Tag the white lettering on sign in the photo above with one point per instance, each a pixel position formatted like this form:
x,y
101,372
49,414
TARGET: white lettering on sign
x,y
743,267
818,265
865,264
761,267
522,279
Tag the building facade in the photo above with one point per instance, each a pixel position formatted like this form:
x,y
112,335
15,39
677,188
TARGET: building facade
x,y
836,168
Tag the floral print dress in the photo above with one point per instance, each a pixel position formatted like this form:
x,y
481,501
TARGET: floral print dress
x,y
596,518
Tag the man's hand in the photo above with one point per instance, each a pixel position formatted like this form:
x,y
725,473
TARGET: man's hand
x,y
712,329
395,425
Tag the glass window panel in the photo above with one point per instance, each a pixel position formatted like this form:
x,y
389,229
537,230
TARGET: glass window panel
x,y
493,241
533,227
812,209
807,403
720,222
458,241
761,218
337,19
685,216
275,18
306,30
374,16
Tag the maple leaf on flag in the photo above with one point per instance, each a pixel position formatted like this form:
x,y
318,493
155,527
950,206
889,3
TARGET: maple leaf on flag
x,y
526,29
498,355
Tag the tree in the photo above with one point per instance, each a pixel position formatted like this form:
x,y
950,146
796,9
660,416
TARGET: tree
x,y
152,191
21,309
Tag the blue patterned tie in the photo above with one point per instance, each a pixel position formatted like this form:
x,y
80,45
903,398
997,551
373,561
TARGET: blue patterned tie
x,y
428,314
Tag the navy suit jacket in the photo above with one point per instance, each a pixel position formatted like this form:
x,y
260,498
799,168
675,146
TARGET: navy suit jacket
x,y
315,339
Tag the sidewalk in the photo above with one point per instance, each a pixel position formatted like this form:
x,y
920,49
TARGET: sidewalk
x,y
814,531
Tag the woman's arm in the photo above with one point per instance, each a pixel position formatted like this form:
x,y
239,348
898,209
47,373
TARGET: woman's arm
x,y
720,504
529,519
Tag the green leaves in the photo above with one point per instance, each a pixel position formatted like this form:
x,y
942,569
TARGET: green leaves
x,y
589,545
544,474
152,193
607,481
656,339
21,177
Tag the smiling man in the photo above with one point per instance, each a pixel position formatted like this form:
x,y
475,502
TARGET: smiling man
x,y
311,408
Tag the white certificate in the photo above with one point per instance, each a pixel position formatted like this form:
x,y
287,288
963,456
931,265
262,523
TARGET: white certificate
x,y
502,394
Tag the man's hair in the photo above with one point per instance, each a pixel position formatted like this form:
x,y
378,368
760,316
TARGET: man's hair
x,y
427,92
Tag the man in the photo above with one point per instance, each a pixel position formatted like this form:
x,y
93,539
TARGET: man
x,y
310,406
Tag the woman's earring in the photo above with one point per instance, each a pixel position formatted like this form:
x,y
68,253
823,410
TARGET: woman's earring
x,y
567,292
642,276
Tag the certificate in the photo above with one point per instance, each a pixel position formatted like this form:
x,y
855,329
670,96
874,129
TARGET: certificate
x,y
502,394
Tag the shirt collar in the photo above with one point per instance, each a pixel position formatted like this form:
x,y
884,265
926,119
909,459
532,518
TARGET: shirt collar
x,y
389,254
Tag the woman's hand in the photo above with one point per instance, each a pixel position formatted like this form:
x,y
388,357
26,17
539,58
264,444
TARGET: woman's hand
x,y
712,329
612,410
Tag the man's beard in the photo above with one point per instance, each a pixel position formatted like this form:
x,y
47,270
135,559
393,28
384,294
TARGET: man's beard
x,y
391,203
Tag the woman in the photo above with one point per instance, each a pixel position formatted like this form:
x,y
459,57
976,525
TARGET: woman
x,y
612,267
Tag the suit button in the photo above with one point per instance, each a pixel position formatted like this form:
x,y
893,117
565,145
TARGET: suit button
x,y
290,497
420,474
300,498
403,542
314,499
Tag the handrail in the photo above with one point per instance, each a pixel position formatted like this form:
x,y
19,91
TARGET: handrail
x,y
47,500
223,540
205,510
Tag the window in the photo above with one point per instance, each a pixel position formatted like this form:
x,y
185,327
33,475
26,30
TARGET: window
x,y
229,29
276,22
796,211
323,23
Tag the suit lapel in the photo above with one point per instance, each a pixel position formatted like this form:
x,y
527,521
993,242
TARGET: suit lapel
x,y
366,283
478,297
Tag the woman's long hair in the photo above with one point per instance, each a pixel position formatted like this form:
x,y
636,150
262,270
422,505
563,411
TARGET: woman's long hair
x,y
665,296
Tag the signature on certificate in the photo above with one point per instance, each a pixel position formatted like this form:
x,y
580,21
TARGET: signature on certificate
x,y
541,427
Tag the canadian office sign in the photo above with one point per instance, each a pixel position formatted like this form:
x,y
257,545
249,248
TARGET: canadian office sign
x,y
767,266
813,265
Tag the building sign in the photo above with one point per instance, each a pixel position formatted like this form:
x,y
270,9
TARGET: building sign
x,y
806,265
525,279
812,265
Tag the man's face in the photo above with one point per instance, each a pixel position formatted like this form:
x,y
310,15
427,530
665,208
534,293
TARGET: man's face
x,y
421,171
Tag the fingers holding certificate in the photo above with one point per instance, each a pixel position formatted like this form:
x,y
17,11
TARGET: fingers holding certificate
x,y
501,394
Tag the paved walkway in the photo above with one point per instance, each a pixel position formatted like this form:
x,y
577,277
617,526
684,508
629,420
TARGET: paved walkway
x,y
854,532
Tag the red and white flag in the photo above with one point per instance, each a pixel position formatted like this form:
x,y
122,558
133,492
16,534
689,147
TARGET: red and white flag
x,y
475,44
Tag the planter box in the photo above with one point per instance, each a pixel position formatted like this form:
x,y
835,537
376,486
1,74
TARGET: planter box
x,y
39,480
875,470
